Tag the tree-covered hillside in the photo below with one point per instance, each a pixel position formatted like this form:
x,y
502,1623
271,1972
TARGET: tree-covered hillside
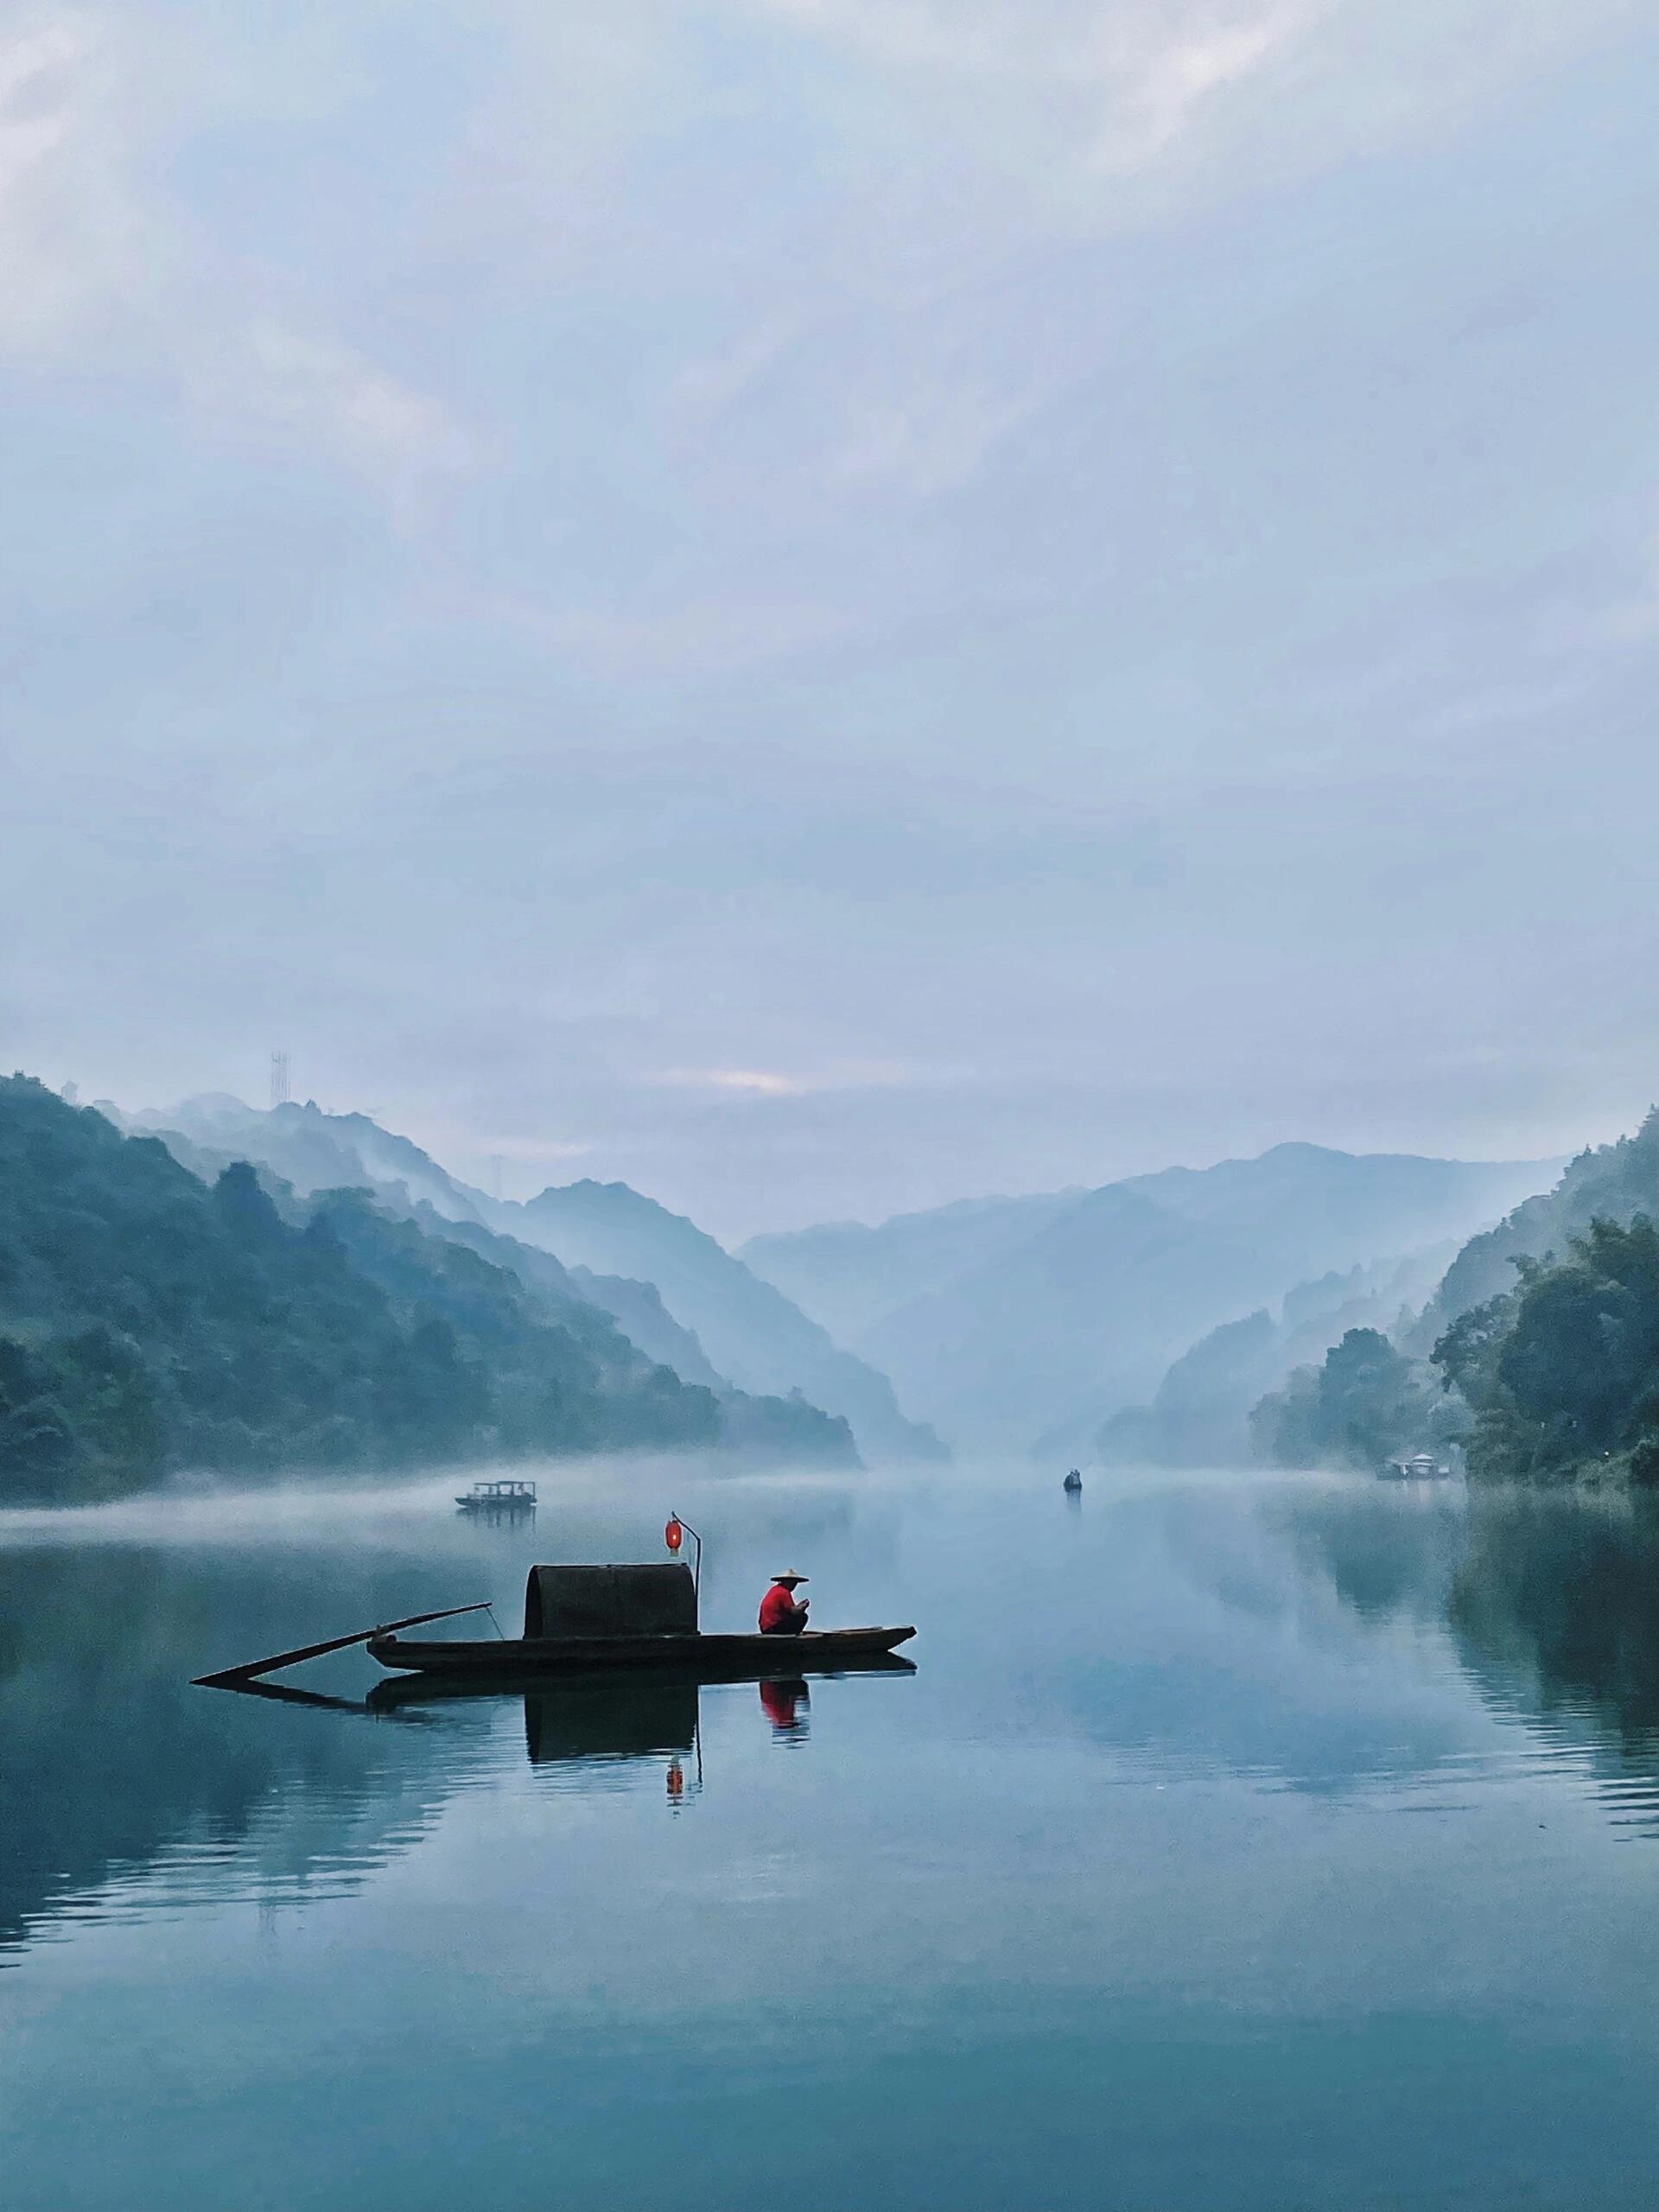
x,y
150,1322
1562,1373
1200,1415
786,1366
1364,1404
1612,1182
1554,1380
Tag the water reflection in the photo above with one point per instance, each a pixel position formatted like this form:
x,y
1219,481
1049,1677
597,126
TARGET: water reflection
x,y
1553,1610
113,1768
787,1704
1549,1606
580,1720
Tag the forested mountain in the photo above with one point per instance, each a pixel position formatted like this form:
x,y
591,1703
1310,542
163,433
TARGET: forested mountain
x,y
1056,1331
1539,1349
308,1149
751,1331
1561,1374
1200,1415
1554,1381
1363,1404
671,1288
1610,1182
151,1322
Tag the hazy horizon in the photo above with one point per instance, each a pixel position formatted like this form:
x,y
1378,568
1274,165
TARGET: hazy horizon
x,y
822,608
732,1238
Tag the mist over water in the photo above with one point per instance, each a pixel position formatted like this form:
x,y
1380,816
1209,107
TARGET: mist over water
x,y
1247,1840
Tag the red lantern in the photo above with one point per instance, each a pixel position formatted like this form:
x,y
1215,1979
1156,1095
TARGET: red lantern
x,y
673,1535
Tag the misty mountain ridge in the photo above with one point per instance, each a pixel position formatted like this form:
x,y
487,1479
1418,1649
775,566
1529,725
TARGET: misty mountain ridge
x,y
153,1322
748,1328
1044,1319
669,1286
849,1276
312,1150
1199,1415
1072,1307
1609,1182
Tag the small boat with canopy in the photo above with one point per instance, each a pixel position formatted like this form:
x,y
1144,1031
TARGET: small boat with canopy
x,y
498,1500
588,1618
596,1620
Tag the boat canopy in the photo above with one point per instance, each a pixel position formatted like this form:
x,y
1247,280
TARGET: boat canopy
x,y
611,1601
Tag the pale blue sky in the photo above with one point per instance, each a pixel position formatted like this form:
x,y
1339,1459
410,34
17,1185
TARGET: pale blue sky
x,y
827,604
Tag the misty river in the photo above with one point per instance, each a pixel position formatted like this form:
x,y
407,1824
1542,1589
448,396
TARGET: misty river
x,y
1239,1840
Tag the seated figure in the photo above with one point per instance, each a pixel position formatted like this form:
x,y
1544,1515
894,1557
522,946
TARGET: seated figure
x,y
780,1613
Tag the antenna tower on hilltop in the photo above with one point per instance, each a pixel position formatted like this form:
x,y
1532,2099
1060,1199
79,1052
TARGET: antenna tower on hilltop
x,y
279,1078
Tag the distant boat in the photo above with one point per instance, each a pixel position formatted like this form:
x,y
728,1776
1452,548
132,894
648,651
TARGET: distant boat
x,y
1422,1467
499,1498
1073,1481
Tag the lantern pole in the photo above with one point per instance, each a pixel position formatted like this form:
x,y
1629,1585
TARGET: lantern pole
x,y
696,1564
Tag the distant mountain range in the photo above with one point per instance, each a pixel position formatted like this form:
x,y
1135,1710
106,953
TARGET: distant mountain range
x,y
1034,1320
1199,1415
674,1292
750,1330
156,1319
1141,1317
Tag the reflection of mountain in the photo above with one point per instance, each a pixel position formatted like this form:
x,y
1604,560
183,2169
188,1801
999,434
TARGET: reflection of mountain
x,y
1389,1556
114,1769
1220,1646
1555,1613
1550,1601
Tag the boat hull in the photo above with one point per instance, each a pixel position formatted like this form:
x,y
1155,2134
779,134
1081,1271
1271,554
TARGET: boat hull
x,y
711,1657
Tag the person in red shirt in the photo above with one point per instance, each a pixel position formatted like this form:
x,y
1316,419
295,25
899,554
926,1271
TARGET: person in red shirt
x,y
780,1615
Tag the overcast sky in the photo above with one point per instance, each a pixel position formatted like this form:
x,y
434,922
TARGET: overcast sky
x,y
823,605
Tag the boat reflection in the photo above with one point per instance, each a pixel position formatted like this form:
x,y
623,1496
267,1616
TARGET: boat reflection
x,y
583,1721
611,1719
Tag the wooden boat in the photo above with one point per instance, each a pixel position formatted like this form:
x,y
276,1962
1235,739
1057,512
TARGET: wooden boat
x,y
713,1657
596,1620
601,1619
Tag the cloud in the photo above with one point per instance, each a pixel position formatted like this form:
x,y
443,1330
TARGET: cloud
x,y
771,1083
1080,115
104,267
331,400
755,1083
72,239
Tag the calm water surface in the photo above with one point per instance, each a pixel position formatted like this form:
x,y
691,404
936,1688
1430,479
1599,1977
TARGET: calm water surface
x,y
1238,1842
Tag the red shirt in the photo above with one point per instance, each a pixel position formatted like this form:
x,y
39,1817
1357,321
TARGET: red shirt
x,y
777,1606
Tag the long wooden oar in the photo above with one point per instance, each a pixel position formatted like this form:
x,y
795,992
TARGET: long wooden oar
x,y
228,1677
